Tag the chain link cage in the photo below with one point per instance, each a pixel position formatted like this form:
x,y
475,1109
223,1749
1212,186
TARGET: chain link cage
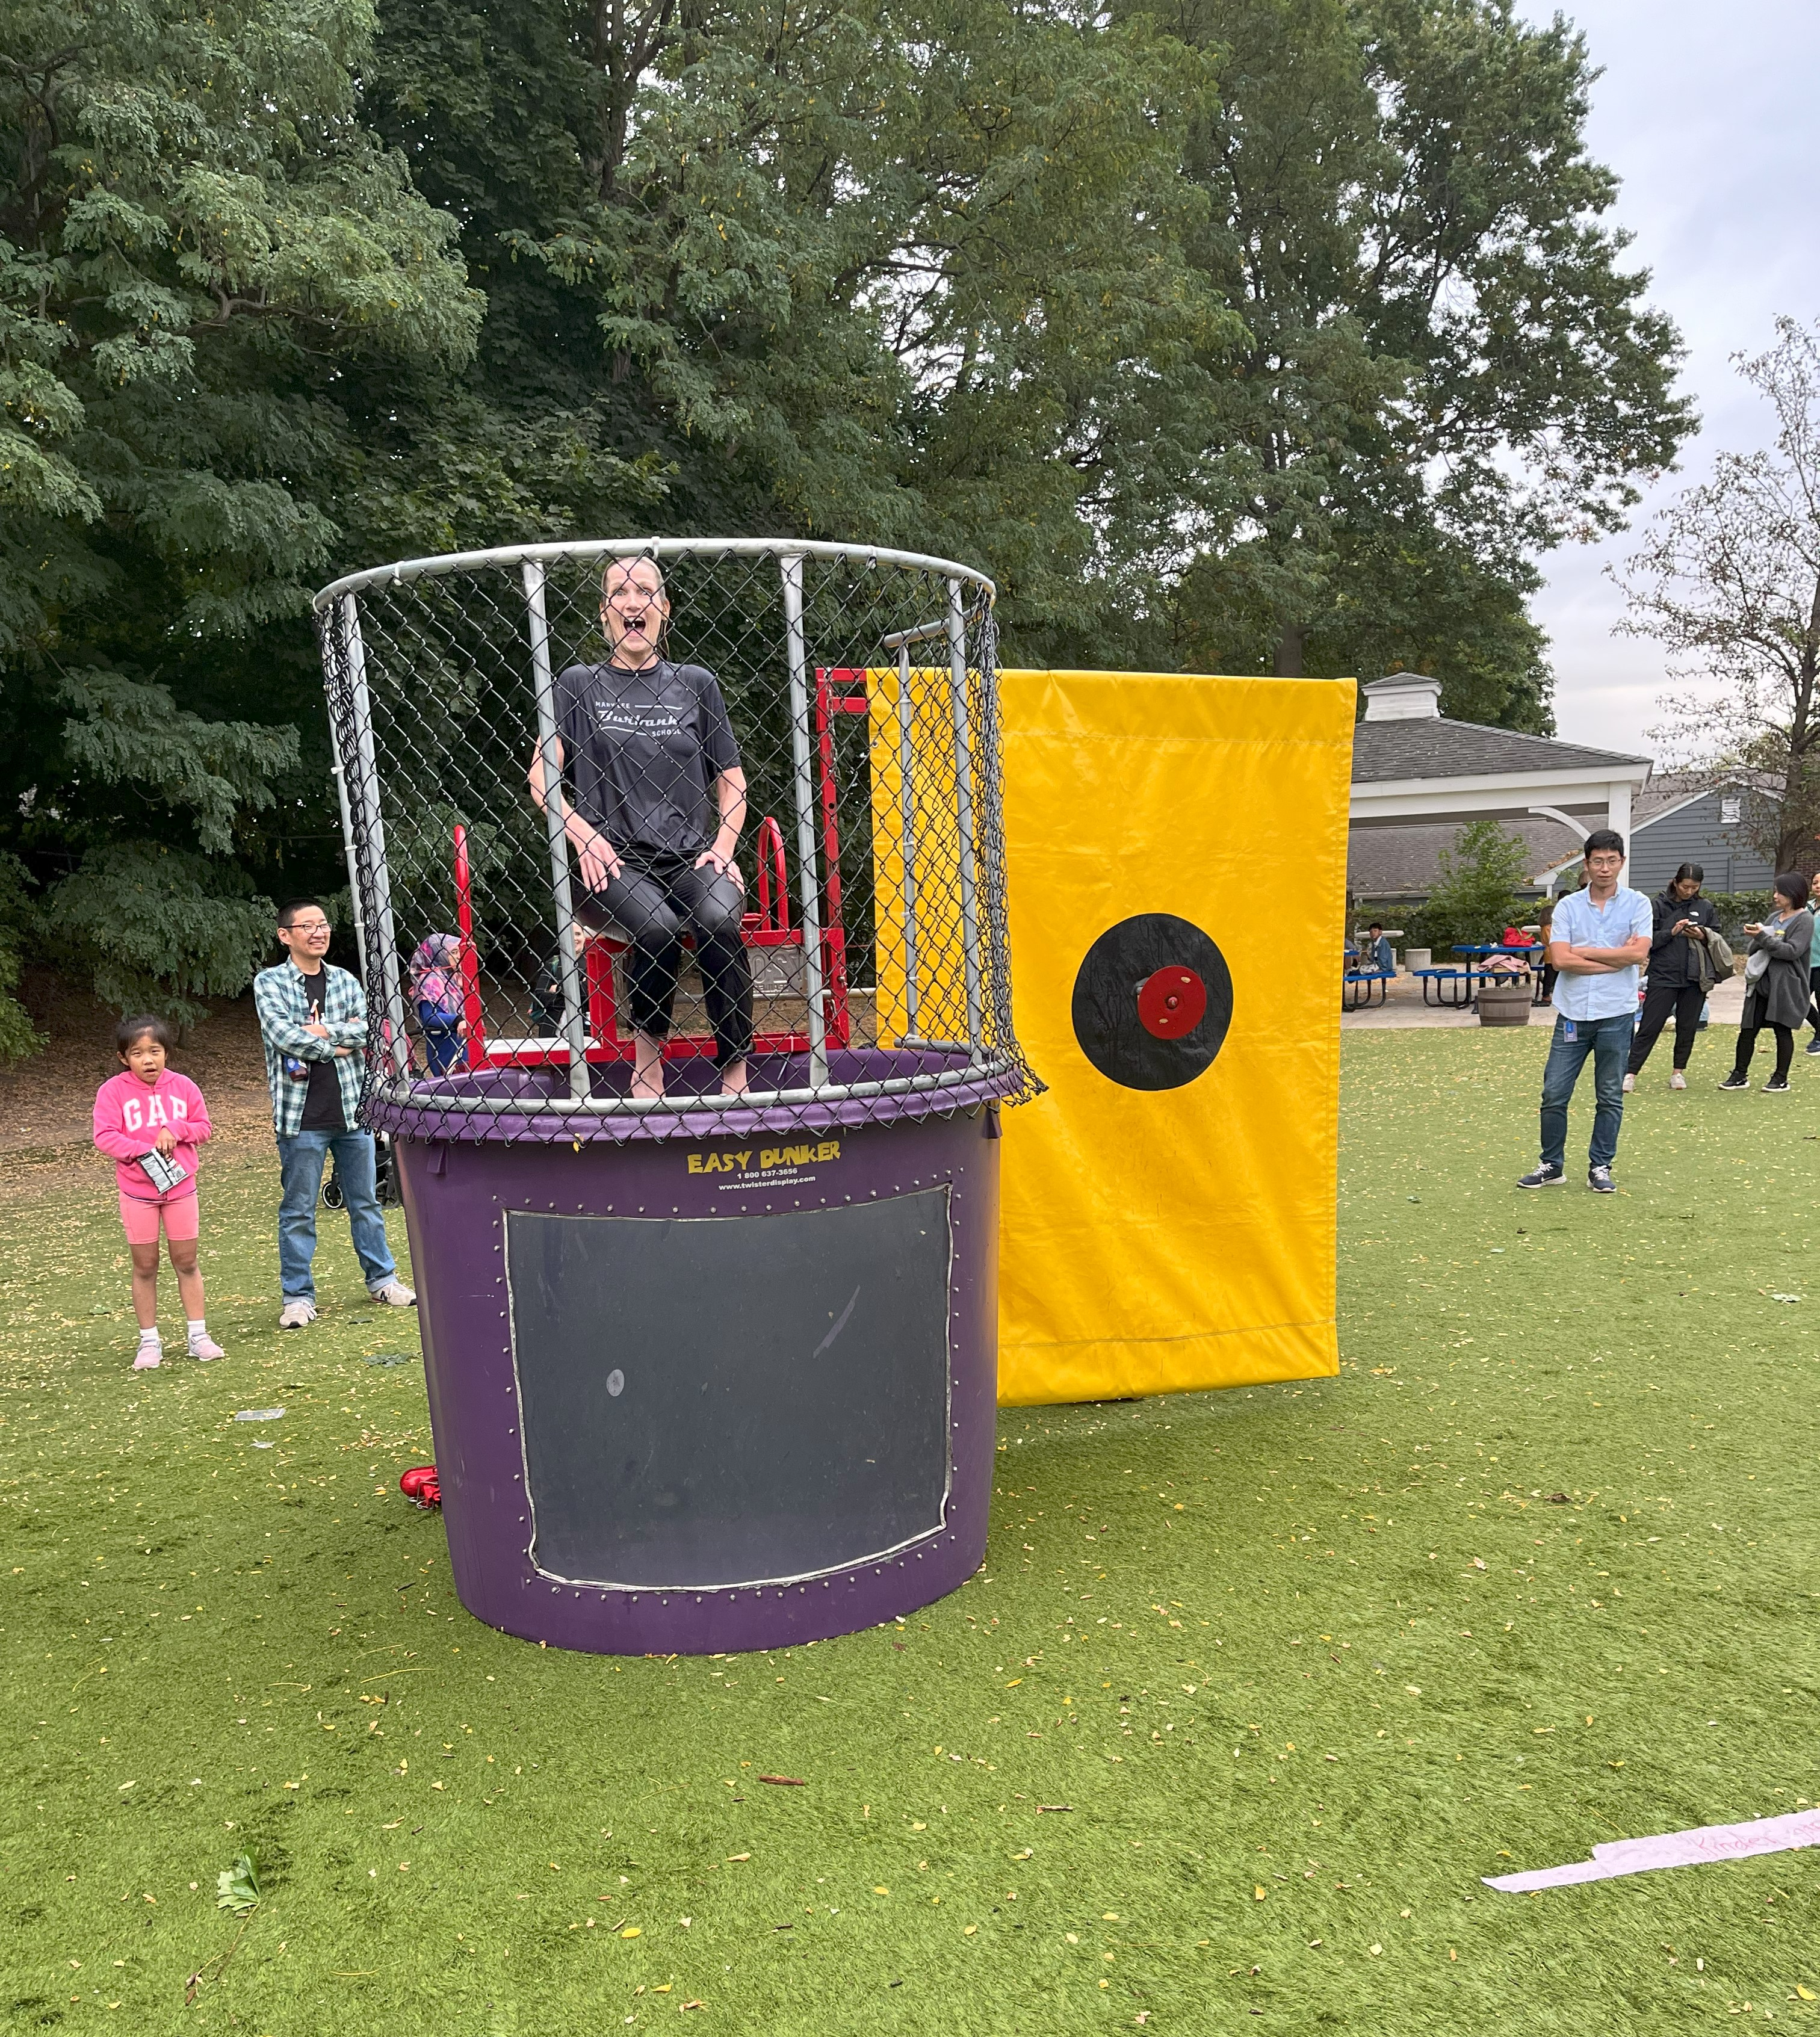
x,y
499,716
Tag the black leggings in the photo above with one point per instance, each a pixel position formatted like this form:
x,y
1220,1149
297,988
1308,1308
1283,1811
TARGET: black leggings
x,y
1658,1001
1814,1009
1747,1033
654,906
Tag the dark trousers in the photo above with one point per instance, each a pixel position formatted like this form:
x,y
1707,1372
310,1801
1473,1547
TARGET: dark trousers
x,y
1747,1033
1814,1009
1658,1000
654,905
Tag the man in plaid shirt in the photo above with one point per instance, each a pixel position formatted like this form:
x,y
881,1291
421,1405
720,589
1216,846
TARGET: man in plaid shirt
x,y
312,1020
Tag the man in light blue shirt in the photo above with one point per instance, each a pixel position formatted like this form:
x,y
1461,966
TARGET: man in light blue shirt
x,y
1598,942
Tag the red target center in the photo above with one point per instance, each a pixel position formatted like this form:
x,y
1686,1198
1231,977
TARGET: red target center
x,y
1172,1003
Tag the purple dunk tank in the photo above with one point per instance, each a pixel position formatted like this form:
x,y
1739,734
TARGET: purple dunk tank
x,y
724,1389
707,1371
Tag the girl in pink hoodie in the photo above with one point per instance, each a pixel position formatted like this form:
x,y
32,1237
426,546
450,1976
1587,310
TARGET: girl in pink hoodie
x,y
150,1120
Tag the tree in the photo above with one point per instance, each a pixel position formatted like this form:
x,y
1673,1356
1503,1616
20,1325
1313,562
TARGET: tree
x,y
1476,897
1448,368
198,239
1729,581
904,275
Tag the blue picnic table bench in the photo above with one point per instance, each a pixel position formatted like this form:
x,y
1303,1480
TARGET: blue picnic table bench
x,y
1361,987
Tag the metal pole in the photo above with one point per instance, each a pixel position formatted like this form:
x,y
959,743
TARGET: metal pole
x,y
809,913
602,549
340,778
906,800
963,803
555,822
397,1050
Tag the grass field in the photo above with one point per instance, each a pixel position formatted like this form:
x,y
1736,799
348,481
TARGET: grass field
x,y
1303,1662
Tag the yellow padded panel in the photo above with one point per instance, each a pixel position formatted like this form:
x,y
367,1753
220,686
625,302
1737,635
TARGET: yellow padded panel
x,y
1155,1241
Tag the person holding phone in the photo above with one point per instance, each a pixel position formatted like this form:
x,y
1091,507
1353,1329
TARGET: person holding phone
x,y
1777,985
1684,924
150,1121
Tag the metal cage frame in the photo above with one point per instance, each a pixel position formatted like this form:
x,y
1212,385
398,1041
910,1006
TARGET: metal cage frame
x,y
986,1066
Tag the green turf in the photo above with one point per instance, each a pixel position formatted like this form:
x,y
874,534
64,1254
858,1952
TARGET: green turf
x,y
1246,1636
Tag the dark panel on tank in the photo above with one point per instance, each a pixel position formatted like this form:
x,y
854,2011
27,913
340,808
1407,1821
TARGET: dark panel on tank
x,y
717,1401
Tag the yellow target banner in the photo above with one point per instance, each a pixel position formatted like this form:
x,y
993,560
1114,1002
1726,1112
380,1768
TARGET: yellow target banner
x,y
1176,849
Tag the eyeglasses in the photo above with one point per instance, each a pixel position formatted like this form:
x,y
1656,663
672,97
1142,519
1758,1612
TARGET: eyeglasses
x,y
308,926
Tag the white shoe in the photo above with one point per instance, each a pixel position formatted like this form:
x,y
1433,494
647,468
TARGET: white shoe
x,y
150,1356
205,1347
1629,1084
297,1315
1677,1080
395,1295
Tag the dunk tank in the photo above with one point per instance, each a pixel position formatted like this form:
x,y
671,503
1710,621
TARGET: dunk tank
x,y
706,1371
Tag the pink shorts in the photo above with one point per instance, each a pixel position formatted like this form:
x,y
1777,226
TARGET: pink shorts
x,y
182,1218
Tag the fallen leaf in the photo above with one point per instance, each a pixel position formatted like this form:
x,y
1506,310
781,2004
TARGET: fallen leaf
x,y
783,1783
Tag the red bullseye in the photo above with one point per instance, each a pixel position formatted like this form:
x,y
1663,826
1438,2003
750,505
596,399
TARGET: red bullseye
x,y
1172,1003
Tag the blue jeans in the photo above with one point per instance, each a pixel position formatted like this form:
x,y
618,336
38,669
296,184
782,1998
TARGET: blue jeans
x,y
1608,1041
301,1159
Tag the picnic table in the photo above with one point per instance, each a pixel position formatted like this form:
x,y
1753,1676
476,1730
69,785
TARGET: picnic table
x,y
1361,987
1480,962
1442,987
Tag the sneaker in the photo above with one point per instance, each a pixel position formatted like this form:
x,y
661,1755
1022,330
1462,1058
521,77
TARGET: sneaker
x,y
1629,1084
1813,1046
1735,1081
1599,1181
1777,1086
395,1295
150,1357
297,1313
1544,1177
205,1347
1677,1080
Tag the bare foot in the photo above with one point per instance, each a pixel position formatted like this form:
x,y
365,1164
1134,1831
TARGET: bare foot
x,y
647,1067
734,1079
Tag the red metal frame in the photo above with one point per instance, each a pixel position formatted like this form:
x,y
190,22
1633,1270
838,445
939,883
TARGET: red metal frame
x,y
769,927
472,1009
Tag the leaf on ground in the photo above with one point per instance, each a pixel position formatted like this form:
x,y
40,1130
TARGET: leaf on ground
x,y
238,1886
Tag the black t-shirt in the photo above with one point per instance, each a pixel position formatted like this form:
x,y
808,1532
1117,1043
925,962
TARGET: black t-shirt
x,y
641,751
322,1110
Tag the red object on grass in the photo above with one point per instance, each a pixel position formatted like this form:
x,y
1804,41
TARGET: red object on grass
x,y
1172,1003
421,1483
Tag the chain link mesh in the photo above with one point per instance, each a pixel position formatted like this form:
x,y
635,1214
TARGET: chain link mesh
x,y
506,999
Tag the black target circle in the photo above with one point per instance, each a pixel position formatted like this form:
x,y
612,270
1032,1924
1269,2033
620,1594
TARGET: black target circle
x,y
1107,1022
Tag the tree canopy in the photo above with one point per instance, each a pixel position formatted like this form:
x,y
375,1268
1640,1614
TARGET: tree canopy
x,y
1241,335
1729,580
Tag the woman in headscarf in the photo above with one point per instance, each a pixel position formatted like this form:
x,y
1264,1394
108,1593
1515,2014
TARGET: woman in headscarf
x,y
439,994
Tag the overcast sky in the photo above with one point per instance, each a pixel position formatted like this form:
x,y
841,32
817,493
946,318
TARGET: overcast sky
x,y
1706,112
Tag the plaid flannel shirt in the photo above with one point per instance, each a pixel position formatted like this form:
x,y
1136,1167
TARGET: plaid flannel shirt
x,y
282,1002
